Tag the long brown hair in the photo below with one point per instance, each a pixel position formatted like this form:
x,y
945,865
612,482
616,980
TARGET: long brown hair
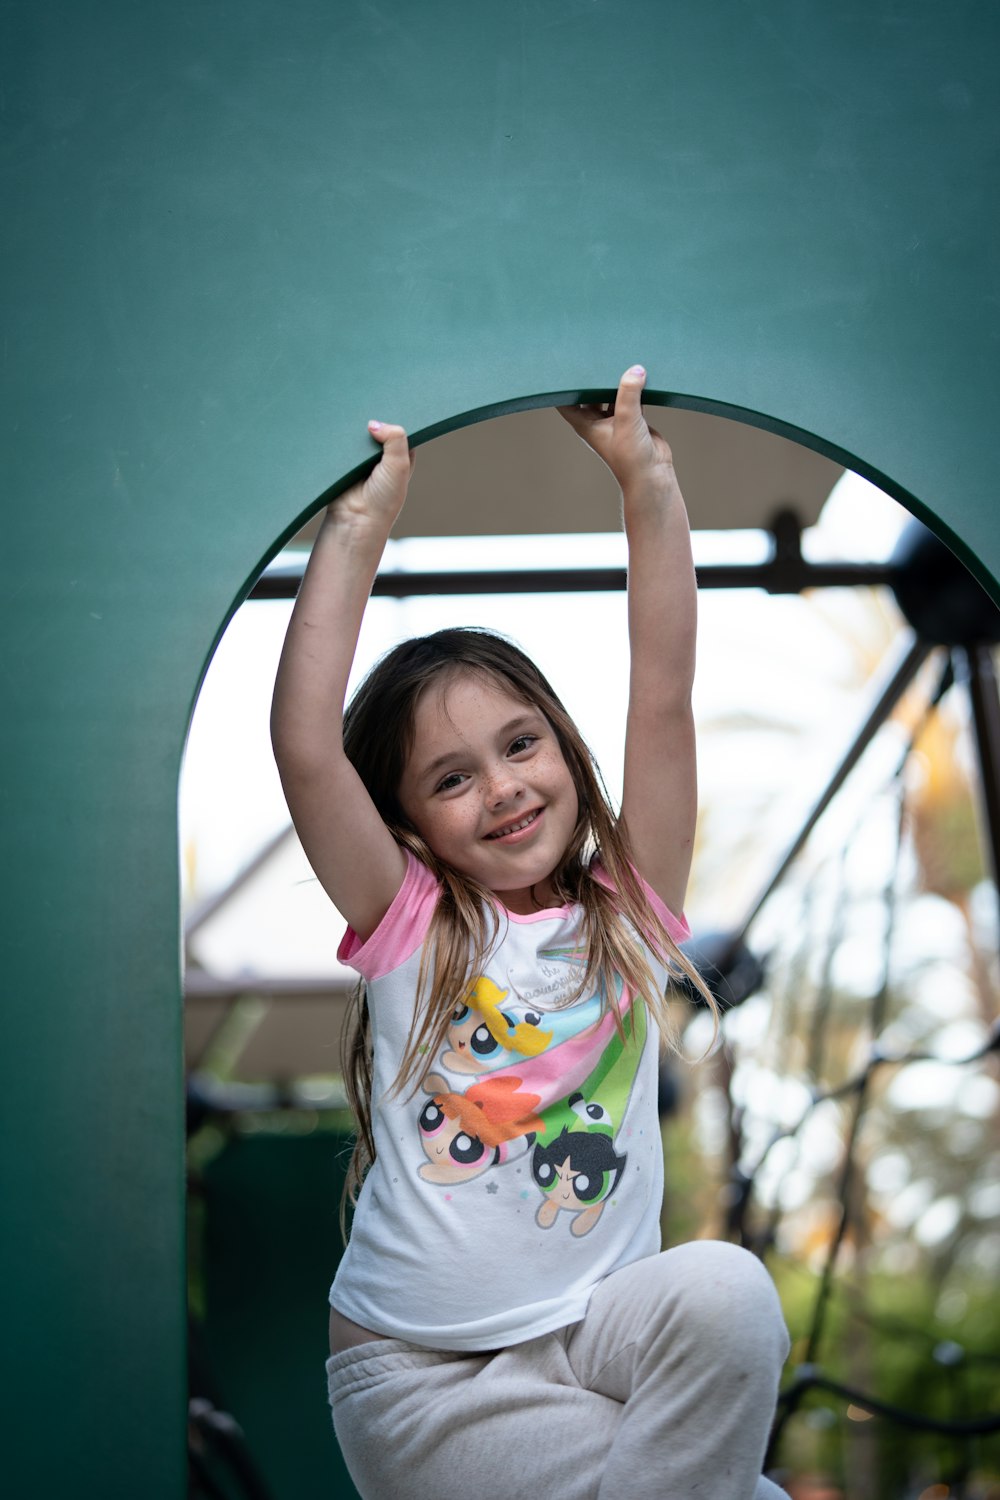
x,y
378,738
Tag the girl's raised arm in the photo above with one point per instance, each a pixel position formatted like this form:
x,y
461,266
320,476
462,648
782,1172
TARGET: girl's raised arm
x,y
660,797
355,857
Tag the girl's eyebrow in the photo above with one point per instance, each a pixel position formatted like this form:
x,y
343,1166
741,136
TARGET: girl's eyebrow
x,y
522,721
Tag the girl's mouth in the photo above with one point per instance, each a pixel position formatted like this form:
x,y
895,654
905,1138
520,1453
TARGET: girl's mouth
x,y
511,830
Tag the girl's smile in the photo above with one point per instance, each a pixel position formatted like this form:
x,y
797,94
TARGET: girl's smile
x,y
510,831
487,786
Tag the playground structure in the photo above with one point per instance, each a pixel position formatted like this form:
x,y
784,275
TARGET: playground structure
x,y
233,236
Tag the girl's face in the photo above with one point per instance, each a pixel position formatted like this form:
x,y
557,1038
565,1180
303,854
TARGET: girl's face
x,y
487,786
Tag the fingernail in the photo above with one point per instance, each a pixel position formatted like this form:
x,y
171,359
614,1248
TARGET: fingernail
x,y
637,370
374,426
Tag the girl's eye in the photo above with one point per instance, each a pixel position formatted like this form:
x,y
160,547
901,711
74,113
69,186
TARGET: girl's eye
x,y
522,743
450,782
461,1014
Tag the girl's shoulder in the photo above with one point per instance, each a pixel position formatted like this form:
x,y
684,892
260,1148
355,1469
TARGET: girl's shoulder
x,y
675,924
403,929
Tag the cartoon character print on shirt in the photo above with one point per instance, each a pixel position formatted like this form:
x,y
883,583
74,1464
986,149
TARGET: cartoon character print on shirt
x,y
574,1093
574,1161
483,1037
462,1135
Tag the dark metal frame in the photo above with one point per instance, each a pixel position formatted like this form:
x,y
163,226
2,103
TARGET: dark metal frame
x,y
786,571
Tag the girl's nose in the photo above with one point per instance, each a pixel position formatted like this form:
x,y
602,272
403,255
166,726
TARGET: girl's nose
x,y
503,786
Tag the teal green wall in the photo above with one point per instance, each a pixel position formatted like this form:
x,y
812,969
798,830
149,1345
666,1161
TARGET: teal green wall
x,y
266,1236
235,231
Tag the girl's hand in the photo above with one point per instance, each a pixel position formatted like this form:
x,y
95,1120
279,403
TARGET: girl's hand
x,y
379,498
639,458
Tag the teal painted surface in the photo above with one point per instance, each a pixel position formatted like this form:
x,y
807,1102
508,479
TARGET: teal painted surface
x,y
269,1240
235,232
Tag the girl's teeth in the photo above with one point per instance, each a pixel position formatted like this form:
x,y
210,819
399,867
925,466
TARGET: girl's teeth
x,y
514,827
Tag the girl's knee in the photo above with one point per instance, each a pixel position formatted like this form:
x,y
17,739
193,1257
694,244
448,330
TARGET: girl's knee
x,y
725,1294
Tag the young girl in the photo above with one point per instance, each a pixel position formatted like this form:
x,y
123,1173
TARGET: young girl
x,y
503,1321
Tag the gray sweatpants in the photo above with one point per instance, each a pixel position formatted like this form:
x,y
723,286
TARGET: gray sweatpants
x,y
664,1391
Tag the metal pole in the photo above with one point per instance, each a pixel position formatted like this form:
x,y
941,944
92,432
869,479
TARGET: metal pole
x,y
777,576
914,652
984,696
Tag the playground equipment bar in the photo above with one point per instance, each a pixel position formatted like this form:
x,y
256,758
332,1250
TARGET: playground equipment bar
x,y
776,575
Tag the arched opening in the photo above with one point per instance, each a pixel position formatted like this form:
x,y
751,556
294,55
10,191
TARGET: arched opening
x,y
787,679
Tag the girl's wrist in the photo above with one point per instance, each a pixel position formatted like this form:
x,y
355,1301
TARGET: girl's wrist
x,y
359,539
651,498
356,524
654,483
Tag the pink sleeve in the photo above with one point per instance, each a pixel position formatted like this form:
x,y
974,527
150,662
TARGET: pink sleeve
x,y
676,927
401,930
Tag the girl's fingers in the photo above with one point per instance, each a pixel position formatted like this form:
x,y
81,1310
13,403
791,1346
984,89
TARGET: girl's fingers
x,y
618,432
629,402
395,447
580,418
386,433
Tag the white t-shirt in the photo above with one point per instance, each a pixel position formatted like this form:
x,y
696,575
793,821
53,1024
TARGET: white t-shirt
x,y
528,1165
